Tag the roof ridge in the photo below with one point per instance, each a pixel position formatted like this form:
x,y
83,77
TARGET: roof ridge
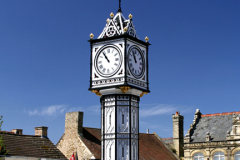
x,y
91,128
167,138
220,114
12,133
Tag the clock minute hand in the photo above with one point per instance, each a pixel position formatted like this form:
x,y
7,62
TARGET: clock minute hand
x,y
106,57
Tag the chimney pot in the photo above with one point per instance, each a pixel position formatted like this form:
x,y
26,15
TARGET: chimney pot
x,y
74,123
17,131
41,131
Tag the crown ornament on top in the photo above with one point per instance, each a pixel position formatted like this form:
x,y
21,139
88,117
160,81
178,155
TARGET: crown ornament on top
x,y
118,25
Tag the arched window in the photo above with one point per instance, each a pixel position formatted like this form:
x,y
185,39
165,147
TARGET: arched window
x,y
198,156
218,156
237,155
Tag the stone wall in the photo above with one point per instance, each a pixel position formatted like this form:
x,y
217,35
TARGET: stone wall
x,y
71,141
178,133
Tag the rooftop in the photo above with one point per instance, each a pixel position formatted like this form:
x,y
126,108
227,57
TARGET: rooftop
x,y
217,125
30,146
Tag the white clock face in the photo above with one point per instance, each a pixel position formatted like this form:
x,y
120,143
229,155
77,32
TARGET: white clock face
x,y
136,62
108,61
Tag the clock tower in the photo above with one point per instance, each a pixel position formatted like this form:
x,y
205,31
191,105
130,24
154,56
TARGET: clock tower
x,y
119,75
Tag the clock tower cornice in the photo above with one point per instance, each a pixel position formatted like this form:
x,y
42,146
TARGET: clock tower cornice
x,y
124,36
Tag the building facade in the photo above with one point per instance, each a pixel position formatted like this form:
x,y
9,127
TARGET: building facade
x,y
213,137
210,137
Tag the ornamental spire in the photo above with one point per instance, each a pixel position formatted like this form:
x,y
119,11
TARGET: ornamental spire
x,y
118,25
119,8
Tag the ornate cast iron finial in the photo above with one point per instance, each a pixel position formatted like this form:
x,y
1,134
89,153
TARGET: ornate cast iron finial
x,y
111,14
146,39
107,20
125,29
119,8
91,36
130,16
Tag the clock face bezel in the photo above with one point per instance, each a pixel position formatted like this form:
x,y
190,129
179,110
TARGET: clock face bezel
x,y
97,57
143,61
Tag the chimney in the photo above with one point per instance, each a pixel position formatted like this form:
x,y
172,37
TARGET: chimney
x,y
178,133
17,131
208,137
41,131
74,123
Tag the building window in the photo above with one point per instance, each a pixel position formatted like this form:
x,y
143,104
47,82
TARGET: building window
x,y
237,155
198,156
218,156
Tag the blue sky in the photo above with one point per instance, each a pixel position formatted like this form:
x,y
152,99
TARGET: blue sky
x,y
44,60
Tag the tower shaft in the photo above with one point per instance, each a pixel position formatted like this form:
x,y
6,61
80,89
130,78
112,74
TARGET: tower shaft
x,y
120,127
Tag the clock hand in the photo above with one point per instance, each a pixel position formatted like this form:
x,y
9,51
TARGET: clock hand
x,y
134,57
106,57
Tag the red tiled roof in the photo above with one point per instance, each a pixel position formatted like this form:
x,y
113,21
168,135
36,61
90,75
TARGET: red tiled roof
x,y
219,114
150,147
92,139
30,146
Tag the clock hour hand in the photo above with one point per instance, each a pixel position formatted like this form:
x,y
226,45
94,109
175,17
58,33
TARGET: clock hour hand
x,y
134,57
106,57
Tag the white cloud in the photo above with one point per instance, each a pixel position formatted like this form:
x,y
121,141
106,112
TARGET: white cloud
x,y
157,109
95,108
49,110
62,109
74,109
